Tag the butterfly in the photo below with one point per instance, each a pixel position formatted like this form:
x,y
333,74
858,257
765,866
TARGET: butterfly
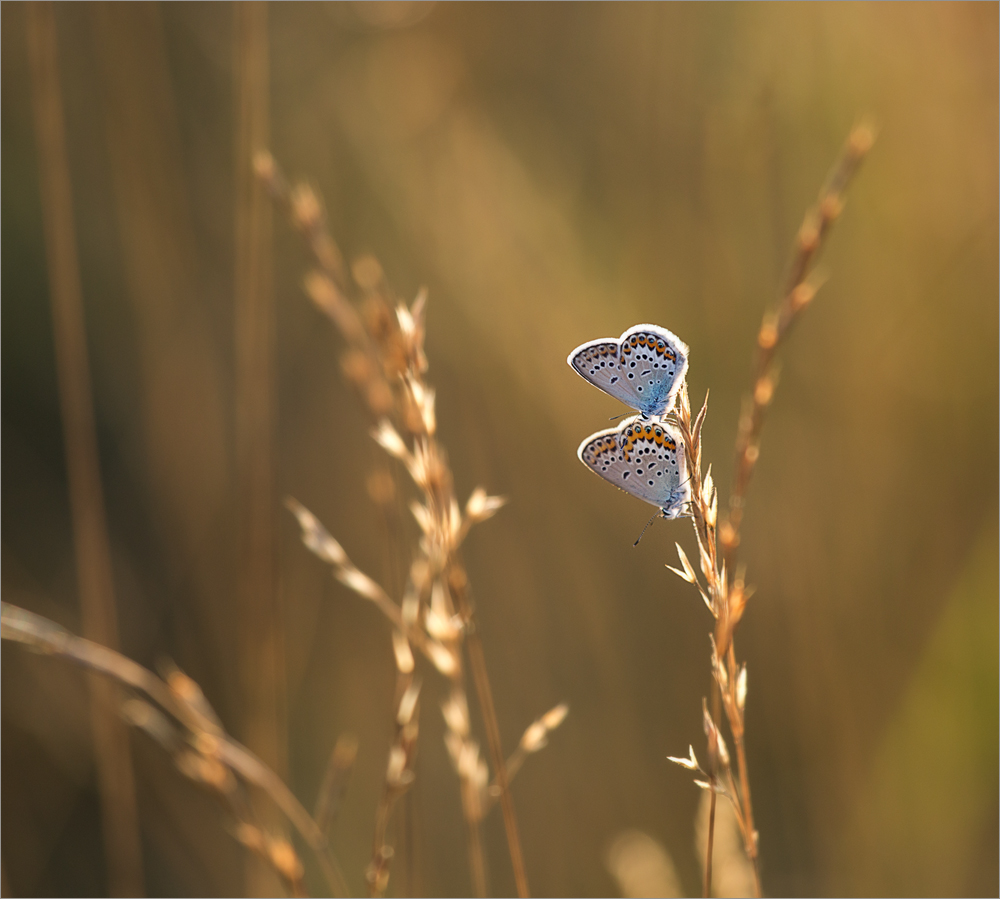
x,y
645,459
643,368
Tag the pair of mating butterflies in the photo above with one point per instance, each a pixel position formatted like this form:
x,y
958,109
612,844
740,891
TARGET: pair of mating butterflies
x,y
644,455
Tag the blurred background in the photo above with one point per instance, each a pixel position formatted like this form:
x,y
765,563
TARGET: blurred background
x,y
552,173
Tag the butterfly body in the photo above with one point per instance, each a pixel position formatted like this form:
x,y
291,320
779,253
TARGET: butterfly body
x,y
645,459
643,368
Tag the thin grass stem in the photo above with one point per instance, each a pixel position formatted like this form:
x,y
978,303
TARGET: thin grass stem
x,y
182,700
261,631
708,850
385,361
725,591
90,536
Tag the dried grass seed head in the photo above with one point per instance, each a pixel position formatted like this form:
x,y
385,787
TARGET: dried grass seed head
x,y
691,762
396,768
386,436
402,652
443,659
555,716
480,507
408,704
285,860
307,212
315,536
456,712
360,583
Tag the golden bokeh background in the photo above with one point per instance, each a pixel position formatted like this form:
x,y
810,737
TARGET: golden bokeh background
x,y
552,173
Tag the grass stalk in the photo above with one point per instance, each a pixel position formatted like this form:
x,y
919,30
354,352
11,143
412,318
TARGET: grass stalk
x,y
798,291
179,718
261,649
708,850
261,631
725,592
399,770
477,661
90,536
385,362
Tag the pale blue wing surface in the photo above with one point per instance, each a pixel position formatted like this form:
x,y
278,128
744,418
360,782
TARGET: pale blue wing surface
x,y
643,458
654,361
643,368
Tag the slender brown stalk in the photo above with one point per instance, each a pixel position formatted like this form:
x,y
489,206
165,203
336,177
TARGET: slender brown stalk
x,y
261,648
799,289
399,771
477,661
335,780
708,850
535,737
385,361
726,602
90,536
477,858
191,732
471,773
725,592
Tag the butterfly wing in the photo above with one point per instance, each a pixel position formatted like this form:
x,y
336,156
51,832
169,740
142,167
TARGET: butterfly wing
x,y
643,368
597,362
654,362
643,458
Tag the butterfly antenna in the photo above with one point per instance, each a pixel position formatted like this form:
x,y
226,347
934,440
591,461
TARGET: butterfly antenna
x,y
648,523
619,415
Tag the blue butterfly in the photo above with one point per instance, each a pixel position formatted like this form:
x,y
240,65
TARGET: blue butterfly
x,y
644,458
643,368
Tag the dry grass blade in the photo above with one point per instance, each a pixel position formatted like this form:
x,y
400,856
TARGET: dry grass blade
x,y
722,603
536,737
800,288
335,781
385,361
398,778
90,537
725,593
260,632
209,752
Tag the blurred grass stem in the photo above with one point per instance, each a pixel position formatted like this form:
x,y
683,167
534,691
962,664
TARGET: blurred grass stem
x,y
90,536
261,632
386,362
477,661
45,636
800,287
725,592
708,851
